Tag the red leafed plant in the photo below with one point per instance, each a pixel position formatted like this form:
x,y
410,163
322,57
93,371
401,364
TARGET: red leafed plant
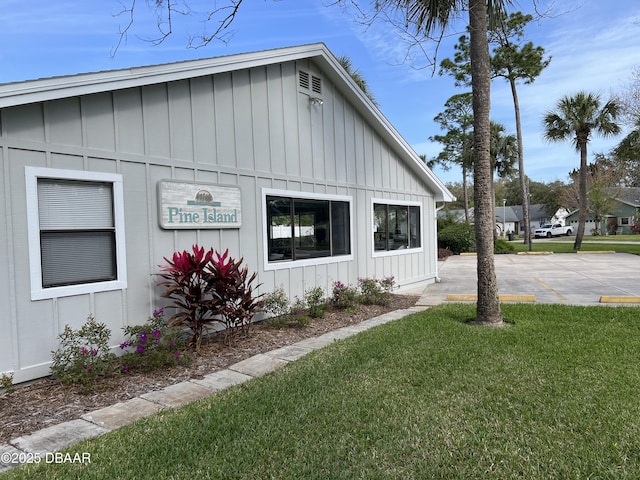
x,y
236,305
208,288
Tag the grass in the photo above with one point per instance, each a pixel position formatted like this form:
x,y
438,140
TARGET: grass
x,y
566,245
555,395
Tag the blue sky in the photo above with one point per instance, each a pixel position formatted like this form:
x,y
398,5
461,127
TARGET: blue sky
x,y
594,45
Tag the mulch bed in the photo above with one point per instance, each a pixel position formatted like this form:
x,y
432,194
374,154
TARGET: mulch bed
x,y
47,402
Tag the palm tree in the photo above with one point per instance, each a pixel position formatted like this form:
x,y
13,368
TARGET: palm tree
x,y
354,73
432,16
575,119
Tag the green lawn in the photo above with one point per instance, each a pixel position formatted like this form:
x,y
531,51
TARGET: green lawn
x,y
555,395
565,245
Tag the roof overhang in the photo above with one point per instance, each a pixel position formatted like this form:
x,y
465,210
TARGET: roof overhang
x,y
41,90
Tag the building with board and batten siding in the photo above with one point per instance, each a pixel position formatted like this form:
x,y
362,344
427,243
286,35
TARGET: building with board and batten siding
x,y
275,155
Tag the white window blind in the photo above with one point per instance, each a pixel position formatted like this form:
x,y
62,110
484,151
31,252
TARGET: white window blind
x,y
64,204
77,234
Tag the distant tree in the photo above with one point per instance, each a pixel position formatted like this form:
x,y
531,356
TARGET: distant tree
x,y
575,119
457,189
512,61
515,62
504,151
503,154
547,194
627,157
603,186
629,99
457,121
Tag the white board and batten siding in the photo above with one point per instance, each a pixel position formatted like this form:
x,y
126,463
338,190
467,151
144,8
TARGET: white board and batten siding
x,y
247,126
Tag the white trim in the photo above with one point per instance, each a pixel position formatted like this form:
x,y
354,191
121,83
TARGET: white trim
x,y
33,228
405,251
312,261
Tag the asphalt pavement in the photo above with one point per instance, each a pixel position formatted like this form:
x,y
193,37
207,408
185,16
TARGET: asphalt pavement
x,y
571,279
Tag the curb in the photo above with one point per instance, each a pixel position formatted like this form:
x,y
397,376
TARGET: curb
x,y
595,252
472,297
619,299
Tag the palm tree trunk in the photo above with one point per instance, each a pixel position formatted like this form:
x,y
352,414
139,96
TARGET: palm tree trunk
x,y
523,177
488,306
582,194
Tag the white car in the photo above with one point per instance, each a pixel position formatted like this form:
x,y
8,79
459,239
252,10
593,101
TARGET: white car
x,y
552,230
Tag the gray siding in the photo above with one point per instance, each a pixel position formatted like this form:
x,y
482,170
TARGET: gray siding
x,y
250,128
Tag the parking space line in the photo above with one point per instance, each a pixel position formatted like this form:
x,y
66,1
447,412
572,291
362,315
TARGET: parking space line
x,y
472,297
547,287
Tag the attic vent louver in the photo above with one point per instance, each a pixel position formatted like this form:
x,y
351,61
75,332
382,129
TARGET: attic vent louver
x,y
310,82
304,80
316,85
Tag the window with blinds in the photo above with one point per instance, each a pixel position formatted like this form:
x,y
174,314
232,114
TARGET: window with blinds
x,y
77,232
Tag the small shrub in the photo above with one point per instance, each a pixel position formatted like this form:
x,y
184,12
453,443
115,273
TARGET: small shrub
x,y
276,303
295,315
457,237
83,356
376,292
316,302
152,345
6,382
343,296
501,246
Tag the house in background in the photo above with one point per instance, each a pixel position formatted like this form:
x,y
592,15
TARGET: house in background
x,y
538,216
510,218
277,156
619,220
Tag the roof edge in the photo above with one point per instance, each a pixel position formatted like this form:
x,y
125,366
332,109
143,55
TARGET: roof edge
x,y
54,88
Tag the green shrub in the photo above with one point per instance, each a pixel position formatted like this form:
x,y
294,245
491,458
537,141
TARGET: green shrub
x,y
343,296
276,303
152,345
6,382
457,237
376,292
501,246
83,356
316,302
284,312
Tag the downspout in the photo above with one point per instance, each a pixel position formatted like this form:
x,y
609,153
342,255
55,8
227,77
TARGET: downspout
x,y
435,235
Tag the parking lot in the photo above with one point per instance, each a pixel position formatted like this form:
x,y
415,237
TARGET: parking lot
x,y
571,279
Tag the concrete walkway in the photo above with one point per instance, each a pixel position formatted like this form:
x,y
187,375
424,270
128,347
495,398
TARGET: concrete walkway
x,y
43,443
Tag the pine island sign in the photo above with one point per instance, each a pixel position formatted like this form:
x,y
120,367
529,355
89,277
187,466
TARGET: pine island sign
x,y
190,205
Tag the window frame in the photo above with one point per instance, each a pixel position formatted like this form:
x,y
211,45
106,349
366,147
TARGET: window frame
x,y
38,291
288,264
396,203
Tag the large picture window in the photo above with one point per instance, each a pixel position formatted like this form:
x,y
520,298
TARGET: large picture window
x,y
396,227
299,229
76,232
